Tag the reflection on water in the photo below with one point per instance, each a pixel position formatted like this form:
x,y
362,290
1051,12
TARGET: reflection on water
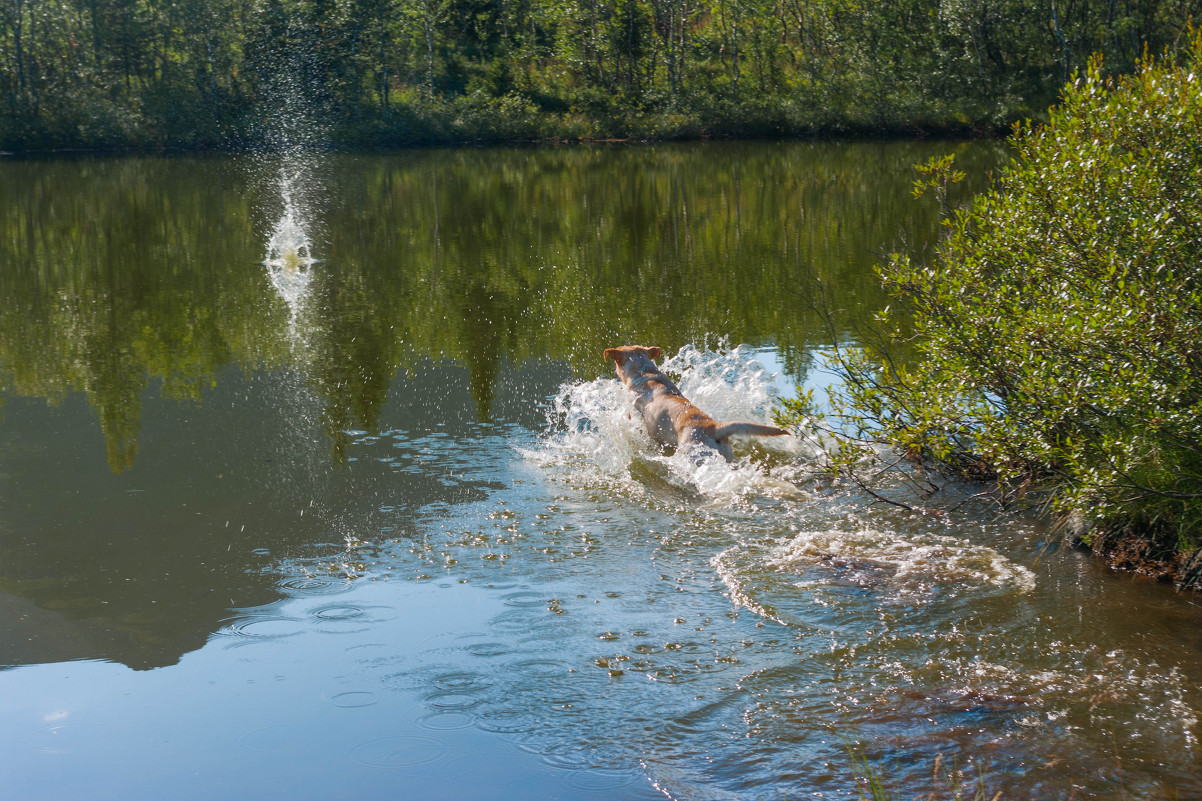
x,y
430,554
120,271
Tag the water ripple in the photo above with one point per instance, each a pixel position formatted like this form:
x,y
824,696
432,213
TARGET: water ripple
x,y
398,752
452,701
354,699
251,628
446,721
315,584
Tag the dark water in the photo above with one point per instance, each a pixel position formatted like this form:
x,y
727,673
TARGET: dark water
x,y
377,525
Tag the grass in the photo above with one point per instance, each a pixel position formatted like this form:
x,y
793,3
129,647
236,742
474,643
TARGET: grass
x,y
873,786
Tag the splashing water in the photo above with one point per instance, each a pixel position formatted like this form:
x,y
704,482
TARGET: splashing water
x,y
600,438
292,135
811,540
289,256
910,558
825,564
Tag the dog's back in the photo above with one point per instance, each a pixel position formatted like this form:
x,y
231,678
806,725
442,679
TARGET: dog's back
x,y
670,417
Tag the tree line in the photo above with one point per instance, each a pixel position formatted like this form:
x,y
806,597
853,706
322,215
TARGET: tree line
x,y
1054,332
210,73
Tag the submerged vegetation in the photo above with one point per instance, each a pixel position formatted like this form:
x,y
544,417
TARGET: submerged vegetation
x,y
1056,333
947,781
206,73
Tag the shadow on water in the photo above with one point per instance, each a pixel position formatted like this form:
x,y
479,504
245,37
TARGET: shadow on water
x,y
139,567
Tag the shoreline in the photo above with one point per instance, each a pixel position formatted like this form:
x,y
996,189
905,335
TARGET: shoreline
x,y
366,144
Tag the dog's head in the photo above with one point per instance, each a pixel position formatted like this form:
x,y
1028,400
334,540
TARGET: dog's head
x,y
632,360
620,355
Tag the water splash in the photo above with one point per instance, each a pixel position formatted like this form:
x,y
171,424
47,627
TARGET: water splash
x,y
289,256
292,137
911,559
599,439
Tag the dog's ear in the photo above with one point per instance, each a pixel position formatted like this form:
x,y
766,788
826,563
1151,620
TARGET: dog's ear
x,y
610,355
654,353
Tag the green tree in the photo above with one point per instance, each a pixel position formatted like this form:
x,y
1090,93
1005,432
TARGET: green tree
x,y
1057,331
203,73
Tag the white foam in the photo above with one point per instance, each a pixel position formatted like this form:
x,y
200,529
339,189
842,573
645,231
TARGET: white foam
x,y
727,565
289,257
595,430
915,556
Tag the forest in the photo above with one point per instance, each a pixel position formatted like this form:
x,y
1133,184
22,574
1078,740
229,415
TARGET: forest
x,y
203,74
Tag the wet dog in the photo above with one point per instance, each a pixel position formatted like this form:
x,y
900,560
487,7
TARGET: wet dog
x,y
670,417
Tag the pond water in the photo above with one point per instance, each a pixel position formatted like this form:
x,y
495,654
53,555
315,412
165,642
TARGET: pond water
x,y
315,485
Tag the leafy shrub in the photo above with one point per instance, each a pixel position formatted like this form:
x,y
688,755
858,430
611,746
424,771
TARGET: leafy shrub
x,y
1057,331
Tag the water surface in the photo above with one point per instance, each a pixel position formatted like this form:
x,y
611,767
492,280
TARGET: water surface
x,y
315,486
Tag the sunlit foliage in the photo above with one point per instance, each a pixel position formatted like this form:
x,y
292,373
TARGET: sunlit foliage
x,y
1058,329
205,72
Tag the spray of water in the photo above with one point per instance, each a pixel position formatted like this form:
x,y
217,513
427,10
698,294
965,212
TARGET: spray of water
x,y
597,437
911,558
292,138
813,536
289,253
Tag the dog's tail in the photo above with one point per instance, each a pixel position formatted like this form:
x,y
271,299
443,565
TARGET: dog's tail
x,y
742,429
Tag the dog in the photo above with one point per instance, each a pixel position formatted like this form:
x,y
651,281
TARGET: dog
x,y
670,417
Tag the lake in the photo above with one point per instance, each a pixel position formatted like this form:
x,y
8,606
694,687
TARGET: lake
x,y
315,485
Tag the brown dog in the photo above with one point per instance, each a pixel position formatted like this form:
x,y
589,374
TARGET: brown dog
x,y
670,417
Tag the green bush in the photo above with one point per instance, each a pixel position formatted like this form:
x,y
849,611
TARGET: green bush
x,y
1056,333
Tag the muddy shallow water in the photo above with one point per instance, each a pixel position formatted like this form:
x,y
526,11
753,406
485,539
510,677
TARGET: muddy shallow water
x,y
315,486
